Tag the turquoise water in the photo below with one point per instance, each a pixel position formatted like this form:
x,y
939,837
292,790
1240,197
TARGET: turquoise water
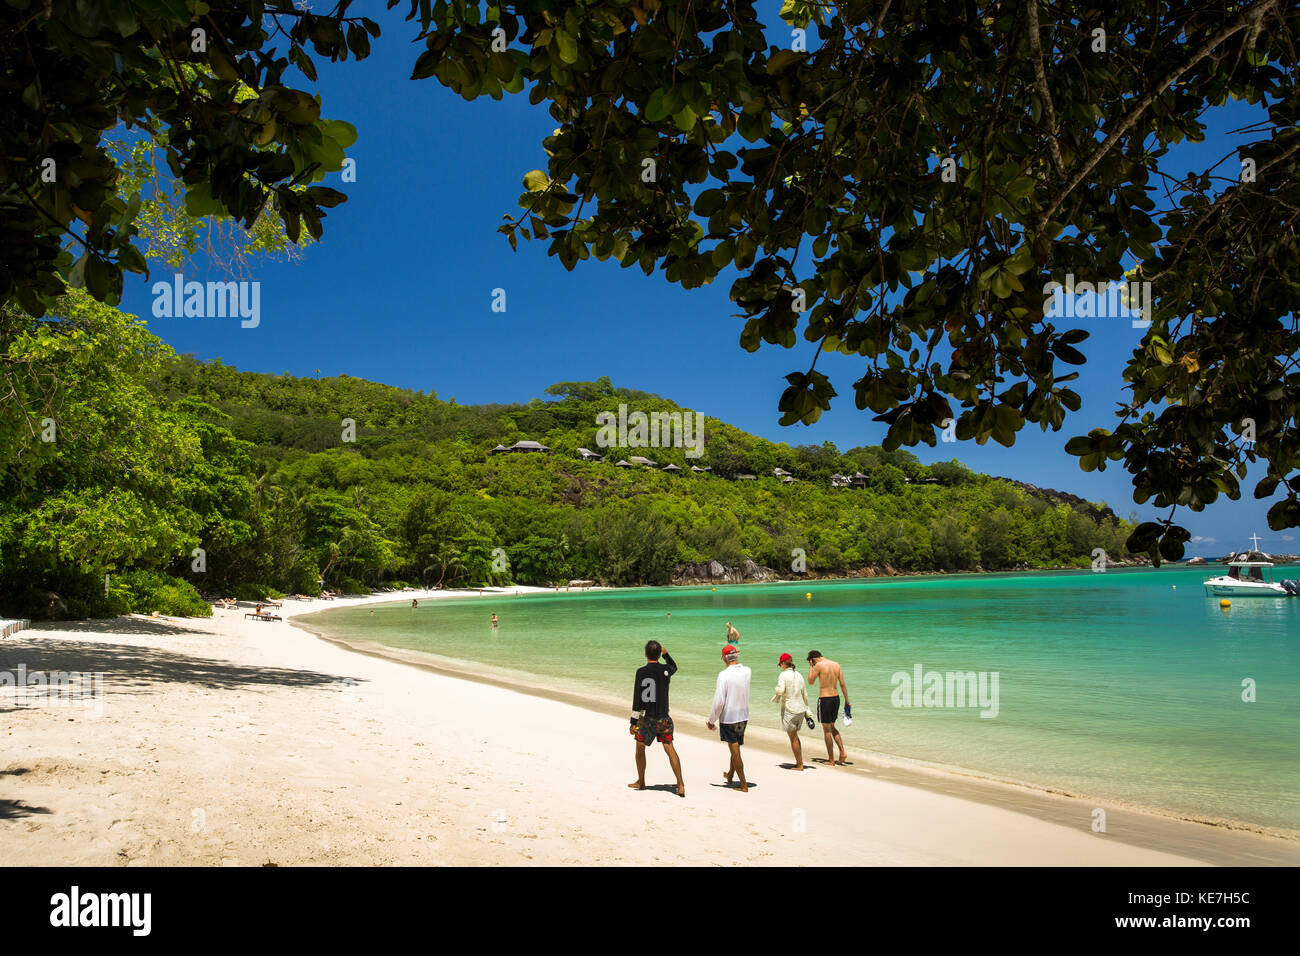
x,y
1125,685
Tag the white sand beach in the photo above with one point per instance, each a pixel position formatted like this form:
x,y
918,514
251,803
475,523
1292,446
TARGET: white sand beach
x,y
238,742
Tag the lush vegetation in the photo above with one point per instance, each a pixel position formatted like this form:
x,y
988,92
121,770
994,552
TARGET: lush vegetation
x,y
895,179
131,477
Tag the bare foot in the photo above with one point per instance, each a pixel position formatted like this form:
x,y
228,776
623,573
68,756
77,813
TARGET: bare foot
x,y
800,767
681,790
744,788
637,786
727,775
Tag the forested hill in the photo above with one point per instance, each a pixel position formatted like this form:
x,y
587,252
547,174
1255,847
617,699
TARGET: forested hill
x,y
167,470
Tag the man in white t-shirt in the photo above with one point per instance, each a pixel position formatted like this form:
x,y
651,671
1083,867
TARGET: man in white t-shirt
x,y
792,692
731,709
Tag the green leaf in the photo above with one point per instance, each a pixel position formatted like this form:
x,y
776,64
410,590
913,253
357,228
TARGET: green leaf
x,y
324,196
97,277
343,133
199,201
782,60
426,64
567,45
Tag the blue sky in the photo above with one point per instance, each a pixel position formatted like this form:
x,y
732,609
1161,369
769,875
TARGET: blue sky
x,y
400,288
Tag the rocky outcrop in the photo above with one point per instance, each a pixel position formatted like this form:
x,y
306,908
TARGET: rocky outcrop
x,y
1261,556
715,572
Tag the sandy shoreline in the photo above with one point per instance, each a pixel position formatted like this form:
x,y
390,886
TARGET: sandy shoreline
x,y
238,742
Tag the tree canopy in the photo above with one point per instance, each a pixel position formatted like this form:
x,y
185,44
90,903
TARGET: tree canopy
x,y
898,180
203,83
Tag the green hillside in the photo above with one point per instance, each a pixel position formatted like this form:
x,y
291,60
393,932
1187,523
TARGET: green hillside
x,y
158,455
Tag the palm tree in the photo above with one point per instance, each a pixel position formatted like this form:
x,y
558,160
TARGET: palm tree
x,y
445,559
336,552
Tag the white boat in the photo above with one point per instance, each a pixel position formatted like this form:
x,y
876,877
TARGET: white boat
x,y
1246,577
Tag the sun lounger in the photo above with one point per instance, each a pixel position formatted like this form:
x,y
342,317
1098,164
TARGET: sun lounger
x,y
263,617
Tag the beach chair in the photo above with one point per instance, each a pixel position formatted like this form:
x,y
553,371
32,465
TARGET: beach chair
x,y
263,617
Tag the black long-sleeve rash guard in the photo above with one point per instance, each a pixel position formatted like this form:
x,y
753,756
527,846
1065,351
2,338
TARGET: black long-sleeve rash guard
x,y
650,693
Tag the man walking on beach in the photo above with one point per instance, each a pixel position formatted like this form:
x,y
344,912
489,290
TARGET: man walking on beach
x,y
829,678
792,693
650,720
731,707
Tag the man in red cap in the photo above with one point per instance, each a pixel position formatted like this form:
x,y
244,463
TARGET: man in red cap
x,y
792,692
731,708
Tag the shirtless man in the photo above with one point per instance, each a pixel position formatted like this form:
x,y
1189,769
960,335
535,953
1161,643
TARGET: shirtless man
x,y
829,678
733,635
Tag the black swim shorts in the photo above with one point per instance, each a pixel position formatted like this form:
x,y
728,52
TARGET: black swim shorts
x,y
733,733
828,709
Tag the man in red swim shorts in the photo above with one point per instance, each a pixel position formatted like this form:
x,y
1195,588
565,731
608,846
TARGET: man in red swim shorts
x,y
650,720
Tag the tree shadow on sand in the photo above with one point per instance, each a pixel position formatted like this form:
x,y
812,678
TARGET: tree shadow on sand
x,y
129,669
17,809
118,625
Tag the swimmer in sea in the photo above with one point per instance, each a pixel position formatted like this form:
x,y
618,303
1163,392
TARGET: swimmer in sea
x,y
494,619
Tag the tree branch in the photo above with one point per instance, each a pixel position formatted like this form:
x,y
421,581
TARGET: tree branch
x,y
1248,18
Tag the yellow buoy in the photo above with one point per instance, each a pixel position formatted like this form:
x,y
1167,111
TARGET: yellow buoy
x,y
808,595
715,589
1225,604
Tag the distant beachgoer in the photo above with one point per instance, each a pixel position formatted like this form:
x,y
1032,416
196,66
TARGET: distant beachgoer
x,y
830,678
414,603
792,692
731,709
733,635
494,619
650,718
259,608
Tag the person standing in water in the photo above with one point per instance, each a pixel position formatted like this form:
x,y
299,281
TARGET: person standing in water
x,y
733,635
731,708
494,620
792,693
650,719
829,678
